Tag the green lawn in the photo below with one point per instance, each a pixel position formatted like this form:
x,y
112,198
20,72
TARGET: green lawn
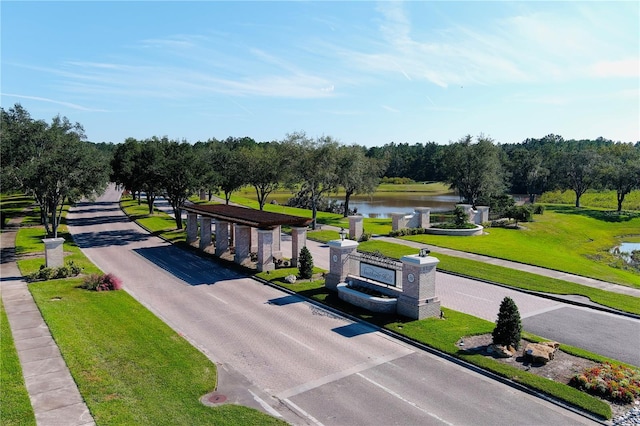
x,y
159,223
595,199
444,335
563,238
15,406
130,367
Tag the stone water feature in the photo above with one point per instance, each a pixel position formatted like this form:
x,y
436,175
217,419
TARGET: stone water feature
x,y
405,287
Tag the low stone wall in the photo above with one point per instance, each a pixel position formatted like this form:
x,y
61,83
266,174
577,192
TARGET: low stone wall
x,y
455,232
370,303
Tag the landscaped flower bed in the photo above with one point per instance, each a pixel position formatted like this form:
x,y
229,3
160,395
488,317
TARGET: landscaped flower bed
x,y
616,383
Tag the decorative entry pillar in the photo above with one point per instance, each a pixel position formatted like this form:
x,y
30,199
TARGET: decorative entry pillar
x,y
53,252
424,216
418,299
192,227
355,227
205,232
265,250
298,240
339,264
222,237
243,243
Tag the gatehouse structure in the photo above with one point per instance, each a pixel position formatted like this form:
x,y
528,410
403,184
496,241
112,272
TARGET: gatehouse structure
x,y
244,231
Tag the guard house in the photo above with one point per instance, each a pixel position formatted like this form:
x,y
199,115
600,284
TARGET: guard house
x,y
253,231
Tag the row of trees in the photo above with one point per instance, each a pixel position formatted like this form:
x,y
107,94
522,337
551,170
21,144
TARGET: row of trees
x,y
312,167
50,161
482,169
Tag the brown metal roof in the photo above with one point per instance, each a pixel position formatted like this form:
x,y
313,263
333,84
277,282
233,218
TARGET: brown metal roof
x,y
246,216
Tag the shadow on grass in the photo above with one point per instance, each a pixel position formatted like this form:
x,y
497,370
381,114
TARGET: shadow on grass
x,y
603,215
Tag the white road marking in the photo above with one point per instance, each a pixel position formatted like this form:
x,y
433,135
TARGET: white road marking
x,y
341,374
217,298
474,297
400,397
304,413
297,341
264,405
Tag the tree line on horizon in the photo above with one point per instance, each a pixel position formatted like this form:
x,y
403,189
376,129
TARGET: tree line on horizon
x,y
56,164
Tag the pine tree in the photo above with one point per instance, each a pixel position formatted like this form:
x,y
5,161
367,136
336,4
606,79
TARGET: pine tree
x,y
305,263
508,325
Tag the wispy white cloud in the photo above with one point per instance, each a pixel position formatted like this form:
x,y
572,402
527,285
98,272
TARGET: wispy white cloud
x,y
53,101
622,68
388,108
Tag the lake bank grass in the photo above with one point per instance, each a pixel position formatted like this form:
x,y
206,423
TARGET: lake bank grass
x,y
564,238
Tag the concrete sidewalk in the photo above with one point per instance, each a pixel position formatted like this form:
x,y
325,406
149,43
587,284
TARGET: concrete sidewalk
x,y
54,395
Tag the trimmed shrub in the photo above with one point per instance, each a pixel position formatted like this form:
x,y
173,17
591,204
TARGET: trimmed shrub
x,y
538,209
305,263
460,218
46,274
102,282
508,330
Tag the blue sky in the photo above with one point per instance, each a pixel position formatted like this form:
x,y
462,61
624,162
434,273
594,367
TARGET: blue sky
x,y
369,73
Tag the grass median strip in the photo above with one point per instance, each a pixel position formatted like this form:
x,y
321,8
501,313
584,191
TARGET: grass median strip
x,y
130,367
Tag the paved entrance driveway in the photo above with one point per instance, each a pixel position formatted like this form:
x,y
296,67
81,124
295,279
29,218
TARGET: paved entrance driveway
x,y
286,356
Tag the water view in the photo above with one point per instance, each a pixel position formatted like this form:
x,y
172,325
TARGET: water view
x,y
381,205
625,250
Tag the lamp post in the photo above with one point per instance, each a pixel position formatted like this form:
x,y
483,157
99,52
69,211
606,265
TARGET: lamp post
x,y
342,233
424,252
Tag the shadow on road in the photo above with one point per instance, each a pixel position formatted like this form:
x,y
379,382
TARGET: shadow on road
x,y
353,330
102,220
187,267
284,300
108,238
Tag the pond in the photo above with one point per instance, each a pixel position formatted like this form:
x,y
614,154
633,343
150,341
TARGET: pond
x,y
624,250
381,205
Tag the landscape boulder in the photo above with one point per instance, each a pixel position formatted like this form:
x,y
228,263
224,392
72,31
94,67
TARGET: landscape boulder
x,y
291,279
501,351
540,353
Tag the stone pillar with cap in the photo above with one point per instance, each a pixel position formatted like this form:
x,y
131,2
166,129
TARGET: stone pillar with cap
x,y
424,216
355,227
398,221
339,262
298,240
418,299
53,252
265,250
276,248
192,227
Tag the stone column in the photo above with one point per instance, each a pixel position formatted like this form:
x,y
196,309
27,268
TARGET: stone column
x,y
265,250
355,227
192,227
424,216
418,299
243,243
339,264
398,221
483,215
298,240
277,247
222,237
53,252
205,232
254,240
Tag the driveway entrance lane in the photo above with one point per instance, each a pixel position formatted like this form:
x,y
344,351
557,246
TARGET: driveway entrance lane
x,y
620,339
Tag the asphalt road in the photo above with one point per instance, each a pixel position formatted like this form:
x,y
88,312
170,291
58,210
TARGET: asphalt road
x,y
289,357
